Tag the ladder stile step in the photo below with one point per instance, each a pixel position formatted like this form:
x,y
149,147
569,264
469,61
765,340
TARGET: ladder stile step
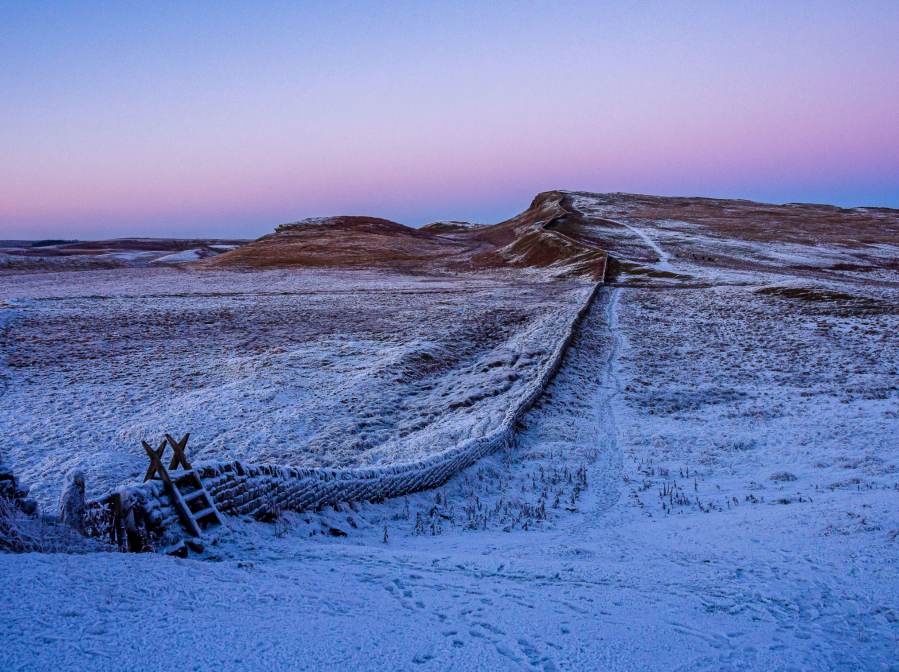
x,y
189,497
205,512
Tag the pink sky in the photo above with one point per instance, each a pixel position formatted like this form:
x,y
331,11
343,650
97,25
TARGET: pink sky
x,y
219,121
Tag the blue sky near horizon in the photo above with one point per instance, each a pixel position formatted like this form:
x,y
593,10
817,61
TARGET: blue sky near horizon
x,y
225,119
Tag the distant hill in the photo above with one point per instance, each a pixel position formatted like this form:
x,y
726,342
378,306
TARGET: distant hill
x,y
353,242
452,226
55,255
568,234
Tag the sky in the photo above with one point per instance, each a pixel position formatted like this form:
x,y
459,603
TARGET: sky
x,y
226,119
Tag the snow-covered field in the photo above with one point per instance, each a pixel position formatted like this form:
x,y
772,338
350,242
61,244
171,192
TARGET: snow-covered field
x,y
301,368
711,482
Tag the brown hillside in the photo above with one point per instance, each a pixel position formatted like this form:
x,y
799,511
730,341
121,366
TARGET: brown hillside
x,y
539,238
568,234
449,226
354,242
347,242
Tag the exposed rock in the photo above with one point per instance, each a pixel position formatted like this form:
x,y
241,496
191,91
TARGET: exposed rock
x,y
17,493
178,551
29,507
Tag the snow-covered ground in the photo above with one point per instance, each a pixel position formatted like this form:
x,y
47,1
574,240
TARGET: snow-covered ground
x,y
617,582
301,368
711,482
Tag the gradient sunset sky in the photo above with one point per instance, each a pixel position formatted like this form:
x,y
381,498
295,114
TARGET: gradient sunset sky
x,y
226,119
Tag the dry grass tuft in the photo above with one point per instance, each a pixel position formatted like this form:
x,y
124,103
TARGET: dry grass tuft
x,y
21,533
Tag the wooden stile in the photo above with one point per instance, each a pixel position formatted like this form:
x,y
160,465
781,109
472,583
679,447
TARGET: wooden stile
x,y
207,513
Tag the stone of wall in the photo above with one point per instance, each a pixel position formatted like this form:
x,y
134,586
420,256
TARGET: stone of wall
x,y
16,493
261,490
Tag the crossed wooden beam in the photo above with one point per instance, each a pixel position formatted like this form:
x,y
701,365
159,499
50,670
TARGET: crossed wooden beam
x,y
156,466
156,458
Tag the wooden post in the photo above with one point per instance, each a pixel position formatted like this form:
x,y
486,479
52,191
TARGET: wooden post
x,y
152,469
117,531
178,449
131,538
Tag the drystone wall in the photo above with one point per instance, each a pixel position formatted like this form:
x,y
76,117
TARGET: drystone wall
x,y
262,490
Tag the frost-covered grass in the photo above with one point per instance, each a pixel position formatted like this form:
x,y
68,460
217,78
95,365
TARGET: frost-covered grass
x,y
732,377
22,533
294,368
614,583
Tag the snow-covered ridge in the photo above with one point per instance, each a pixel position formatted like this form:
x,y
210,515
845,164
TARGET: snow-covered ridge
x,y
464,225
260,489
452,226
310,221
